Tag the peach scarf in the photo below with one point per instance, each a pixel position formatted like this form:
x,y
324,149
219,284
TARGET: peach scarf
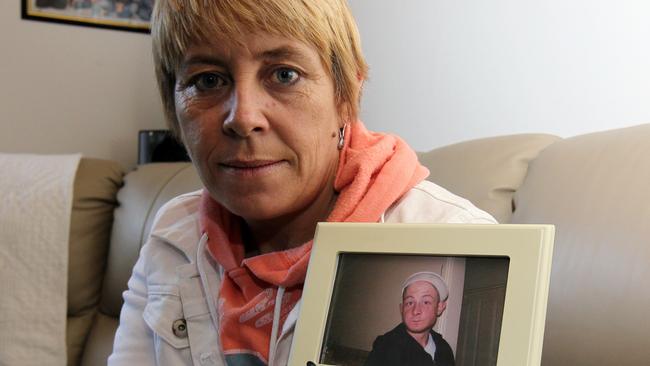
x,y
374,171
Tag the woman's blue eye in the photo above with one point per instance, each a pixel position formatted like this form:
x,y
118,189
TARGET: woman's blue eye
x,y
285,76
209,81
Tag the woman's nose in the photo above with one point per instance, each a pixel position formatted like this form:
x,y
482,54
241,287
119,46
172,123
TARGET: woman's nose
x,y
245,112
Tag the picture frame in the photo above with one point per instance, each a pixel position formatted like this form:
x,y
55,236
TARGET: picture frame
x,y
343,252
127,15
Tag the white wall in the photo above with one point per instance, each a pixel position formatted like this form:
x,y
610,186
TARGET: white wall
x,y
442,71
446,71
68,89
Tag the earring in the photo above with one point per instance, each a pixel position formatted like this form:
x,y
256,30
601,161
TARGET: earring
x,y
342,137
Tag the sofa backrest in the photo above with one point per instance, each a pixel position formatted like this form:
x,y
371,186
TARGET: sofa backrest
x,y
596,190
486,171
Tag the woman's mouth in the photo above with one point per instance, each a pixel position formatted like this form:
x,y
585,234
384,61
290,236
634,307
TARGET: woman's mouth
x,y
250,168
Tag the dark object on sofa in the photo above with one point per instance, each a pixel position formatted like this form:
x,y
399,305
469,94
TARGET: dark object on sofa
x,y
159,146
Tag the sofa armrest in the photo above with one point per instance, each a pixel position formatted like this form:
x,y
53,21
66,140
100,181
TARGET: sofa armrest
x,y
96,184
145,190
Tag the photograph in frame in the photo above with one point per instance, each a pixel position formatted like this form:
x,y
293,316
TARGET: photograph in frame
x,y
369,312
129,15
493,280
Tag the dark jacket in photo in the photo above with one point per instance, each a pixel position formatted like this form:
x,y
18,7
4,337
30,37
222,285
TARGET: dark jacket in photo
x,y
398,348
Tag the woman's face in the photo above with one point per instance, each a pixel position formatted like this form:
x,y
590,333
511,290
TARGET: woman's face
x,y
261,123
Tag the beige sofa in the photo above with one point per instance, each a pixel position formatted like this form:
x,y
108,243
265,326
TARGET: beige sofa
x,y
594,188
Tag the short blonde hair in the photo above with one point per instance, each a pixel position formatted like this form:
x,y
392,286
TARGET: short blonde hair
x,y
327,25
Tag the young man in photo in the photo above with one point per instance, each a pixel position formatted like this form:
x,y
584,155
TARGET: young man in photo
x,y
413,342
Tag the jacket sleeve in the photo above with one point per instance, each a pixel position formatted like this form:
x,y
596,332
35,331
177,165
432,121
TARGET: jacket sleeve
x,y
134,344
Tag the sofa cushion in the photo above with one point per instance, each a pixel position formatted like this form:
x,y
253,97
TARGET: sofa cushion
x,y
100,341
96,184
486,171
594,188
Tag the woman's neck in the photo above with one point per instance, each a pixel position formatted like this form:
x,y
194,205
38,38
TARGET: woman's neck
x,y
288,231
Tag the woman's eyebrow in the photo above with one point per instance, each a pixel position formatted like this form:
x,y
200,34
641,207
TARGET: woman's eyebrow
x,y
202,60
283,53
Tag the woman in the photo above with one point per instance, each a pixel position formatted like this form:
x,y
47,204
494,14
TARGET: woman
x,y
265,97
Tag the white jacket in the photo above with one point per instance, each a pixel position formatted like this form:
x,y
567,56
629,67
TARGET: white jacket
x,y
169,314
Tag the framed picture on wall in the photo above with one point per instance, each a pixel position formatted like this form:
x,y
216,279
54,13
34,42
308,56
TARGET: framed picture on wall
x,y
393,294
130,15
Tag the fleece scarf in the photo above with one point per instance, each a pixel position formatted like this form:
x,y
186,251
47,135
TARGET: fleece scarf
x,y
374,171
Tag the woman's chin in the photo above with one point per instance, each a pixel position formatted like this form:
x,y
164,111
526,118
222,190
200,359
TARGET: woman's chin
x,y
261,209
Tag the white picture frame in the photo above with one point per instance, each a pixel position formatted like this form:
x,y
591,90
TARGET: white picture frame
x,y
527,248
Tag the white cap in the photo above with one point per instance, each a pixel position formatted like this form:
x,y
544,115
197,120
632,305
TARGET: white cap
x,y
433,278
